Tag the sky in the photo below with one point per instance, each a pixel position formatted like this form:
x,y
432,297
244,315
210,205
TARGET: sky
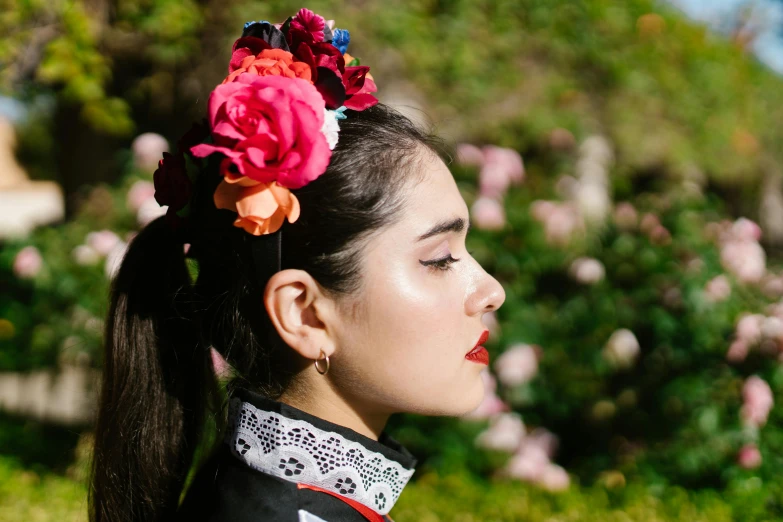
x,y
769,13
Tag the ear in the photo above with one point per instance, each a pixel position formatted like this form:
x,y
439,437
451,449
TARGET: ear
x,y
300,312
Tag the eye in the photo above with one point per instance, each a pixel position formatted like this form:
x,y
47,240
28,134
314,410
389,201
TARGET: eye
x,y
440,264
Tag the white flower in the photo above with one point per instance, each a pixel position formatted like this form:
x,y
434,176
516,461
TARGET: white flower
x,y
622,349
517,365
85,255
504,433
330,128
587,270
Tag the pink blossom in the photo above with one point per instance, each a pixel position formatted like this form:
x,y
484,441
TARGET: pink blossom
x,y
508,159
745,229
749,328
543,439
757,401
488,214
625,216
738,351
140,192
772,328
587,271
776,309
749,457
554,478
469,155
542,210
649,223
493,180
660,235
505,432
717,289
622,349
562,225
517,365
147,149
745,259
529,463
102,241
772,285
28,262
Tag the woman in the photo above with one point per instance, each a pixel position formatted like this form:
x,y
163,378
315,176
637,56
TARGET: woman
x,y
329,237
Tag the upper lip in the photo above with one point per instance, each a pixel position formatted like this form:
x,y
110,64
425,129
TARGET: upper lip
x,y
482,340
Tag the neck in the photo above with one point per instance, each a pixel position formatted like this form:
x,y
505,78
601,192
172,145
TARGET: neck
x,y
323,401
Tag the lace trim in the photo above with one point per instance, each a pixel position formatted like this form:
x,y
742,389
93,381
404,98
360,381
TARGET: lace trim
x,y
297,451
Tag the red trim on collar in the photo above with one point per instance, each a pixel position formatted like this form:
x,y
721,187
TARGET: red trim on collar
x,y
368,513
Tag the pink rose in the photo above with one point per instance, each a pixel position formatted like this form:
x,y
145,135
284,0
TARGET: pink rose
x,y
269,129
749,456
757,401
28,262
488,214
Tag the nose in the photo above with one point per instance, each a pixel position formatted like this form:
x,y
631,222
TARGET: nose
x,y
488,296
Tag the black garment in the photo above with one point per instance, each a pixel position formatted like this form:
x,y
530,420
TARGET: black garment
x,y
272,449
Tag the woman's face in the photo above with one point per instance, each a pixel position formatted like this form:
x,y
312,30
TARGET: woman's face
x,y
406,349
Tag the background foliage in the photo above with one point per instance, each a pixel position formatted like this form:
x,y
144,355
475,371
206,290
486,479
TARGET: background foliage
x,y
692,125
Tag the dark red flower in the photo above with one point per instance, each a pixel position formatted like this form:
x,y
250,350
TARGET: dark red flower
x,y
358,88
172,185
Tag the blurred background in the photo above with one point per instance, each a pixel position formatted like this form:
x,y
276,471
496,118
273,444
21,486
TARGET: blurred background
x,y
623,163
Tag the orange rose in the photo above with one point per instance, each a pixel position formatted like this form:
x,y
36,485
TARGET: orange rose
x,y
261,206
272,62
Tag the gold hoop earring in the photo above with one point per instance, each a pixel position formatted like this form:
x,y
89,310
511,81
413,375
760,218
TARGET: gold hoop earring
x,y
327,364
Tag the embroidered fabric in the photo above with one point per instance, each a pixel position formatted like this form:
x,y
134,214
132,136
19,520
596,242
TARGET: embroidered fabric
x,y
295,450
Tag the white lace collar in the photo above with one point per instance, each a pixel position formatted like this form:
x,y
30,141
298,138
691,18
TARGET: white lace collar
x,y
283,441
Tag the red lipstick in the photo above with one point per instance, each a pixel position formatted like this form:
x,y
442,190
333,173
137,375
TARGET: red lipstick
x,y
479,354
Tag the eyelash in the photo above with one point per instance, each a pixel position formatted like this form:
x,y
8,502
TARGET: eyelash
x,y
442,265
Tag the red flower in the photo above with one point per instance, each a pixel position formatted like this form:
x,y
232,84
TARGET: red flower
x,y
358,87
172,184
311,23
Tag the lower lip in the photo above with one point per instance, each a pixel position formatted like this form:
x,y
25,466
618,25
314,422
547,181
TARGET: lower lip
x,y
479,355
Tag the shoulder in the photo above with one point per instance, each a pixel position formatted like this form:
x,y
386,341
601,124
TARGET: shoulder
x,y
225,489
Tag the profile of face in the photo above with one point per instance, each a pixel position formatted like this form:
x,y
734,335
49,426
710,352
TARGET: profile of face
x,y
418,312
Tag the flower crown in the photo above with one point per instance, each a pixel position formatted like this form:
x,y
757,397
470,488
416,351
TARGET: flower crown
x,y
273,121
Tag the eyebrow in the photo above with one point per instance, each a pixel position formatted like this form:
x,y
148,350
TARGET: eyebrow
x,y
453,225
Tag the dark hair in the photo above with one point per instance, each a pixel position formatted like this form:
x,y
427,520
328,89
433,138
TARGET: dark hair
x,y
158,384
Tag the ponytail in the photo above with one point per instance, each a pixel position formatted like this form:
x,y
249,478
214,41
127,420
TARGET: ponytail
x,y
156,386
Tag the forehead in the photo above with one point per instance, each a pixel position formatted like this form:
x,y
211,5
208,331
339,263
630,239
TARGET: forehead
x,y
435,197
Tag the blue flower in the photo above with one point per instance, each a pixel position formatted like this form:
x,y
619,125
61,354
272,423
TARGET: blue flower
x,y
340,39
254,22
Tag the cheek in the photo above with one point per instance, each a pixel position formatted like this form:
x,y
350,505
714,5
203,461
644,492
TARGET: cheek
x,y
416,318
